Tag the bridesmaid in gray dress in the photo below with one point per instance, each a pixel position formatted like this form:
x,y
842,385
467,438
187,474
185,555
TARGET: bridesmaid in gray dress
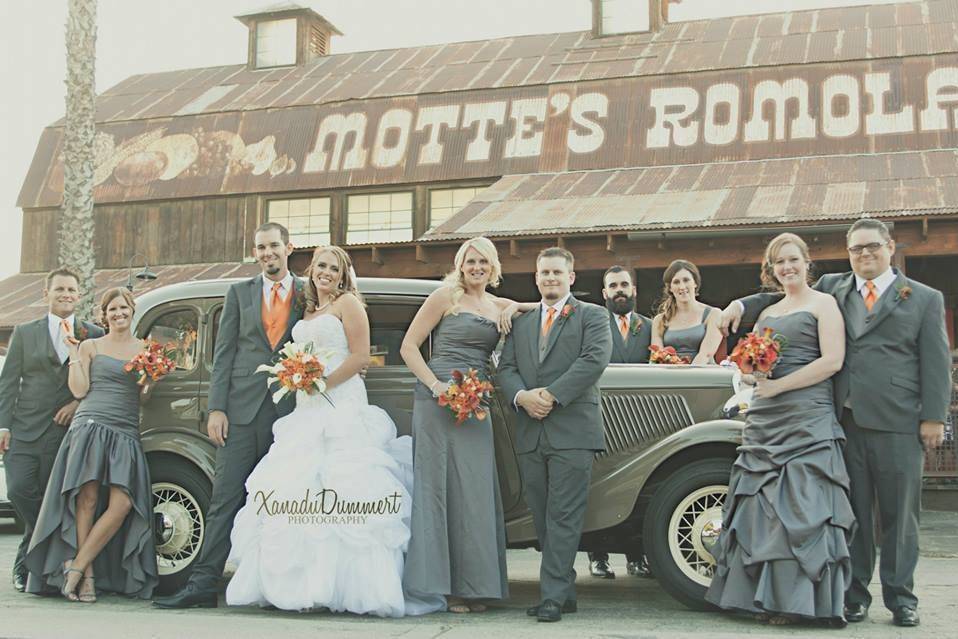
x,y
783,551
456,554
682,321
100,469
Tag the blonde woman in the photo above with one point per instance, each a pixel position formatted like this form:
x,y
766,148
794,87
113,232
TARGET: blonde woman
x,y
457,552
683,322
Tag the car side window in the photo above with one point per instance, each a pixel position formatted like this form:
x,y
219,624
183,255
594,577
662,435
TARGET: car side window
x,y
177,331
387,327
214,329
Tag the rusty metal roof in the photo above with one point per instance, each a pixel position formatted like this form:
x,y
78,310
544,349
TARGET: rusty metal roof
x,y
21,295
823,35
715,195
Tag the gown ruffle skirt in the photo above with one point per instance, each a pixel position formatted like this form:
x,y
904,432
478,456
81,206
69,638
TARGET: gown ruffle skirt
x,y
787,517
326,521
102,445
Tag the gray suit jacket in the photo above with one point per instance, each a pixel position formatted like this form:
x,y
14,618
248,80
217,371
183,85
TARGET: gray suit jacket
x,y
241,346
897,370
636,349
577,353
33,385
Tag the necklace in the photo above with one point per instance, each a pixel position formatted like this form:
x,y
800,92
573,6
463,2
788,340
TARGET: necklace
x,y
320,308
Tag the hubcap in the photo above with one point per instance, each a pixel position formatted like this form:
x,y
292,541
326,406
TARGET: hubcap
x,y
693,532
179,527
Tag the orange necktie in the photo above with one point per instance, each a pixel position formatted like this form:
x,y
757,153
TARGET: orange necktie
x,y
65,327
548,324
274,299
624,327
870,297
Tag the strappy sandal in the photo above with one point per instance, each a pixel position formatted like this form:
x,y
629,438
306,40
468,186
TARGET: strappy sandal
x,y
763,617
87,594
67,592
459,606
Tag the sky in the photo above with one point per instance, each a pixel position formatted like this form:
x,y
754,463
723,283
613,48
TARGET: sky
x,y
140,36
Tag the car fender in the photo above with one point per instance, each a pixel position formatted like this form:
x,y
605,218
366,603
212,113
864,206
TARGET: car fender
x,y
613,497
193,447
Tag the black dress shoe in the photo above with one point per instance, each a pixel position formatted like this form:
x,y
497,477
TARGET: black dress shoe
x,y
20,581
549,610
905,617
189,596
639,568
600,568
567,608
855,612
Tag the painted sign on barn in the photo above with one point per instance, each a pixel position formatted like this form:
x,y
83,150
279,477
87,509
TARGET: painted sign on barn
x,y
792,111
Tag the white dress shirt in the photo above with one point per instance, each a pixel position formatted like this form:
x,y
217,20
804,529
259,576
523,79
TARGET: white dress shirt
x,y
57,334
882,283
557,306
286,285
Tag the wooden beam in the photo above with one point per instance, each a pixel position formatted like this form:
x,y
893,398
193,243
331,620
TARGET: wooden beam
x,y
421,254
924,229
610,243
560,241
591,254
376,257
514,248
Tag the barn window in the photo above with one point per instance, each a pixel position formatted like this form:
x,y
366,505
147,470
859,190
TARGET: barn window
x,y
275,43
623,16
444,203
379,217
306,219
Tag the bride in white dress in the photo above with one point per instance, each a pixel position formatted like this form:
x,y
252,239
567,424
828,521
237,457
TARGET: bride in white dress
x,y
297,547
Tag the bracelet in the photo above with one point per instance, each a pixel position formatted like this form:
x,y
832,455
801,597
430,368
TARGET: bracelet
x,y
432,388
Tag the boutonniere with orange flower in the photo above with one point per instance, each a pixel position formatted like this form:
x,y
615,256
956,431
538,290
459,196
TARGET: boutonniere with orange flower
x,y
904,292
567,311
635,325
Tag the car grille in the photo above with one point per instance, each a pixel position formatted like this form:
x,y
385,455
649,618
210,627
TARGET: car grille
x,y
632,420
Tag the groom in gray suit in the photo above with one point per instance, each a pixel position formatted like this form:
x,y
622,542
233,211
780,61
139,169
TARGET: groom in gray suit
x,y
892,396
258,316
36,405
550,366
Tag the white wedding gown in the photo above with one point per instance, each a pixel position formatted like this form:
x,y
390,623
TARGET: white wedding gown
x,y
326,559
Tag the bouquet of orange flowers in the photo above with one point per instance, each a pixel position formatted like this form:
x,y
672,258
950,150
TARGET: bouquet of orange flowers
x,y
466,395
297,369
152,363
665,355
757,354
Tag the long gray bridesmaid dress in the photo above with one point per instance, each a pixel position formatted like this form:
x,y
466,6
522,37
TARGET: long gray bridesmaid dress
x,y
102,444
787,517
458,544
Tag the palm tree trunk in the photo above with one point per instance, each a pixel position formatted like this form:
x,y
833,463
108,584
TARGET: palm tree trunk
x,y
76,224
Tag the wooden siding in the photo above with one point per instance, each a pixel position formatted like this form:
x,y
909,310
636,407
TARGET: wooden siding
x,y
166,232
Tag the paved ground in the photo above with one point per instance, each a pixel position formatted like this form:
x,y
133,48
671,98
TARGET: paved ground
x,y
624,608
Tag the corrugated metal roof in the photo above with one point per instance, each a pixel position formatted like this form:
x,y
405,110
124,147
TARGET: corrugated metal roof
x,y
847,33
713,195
21,295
